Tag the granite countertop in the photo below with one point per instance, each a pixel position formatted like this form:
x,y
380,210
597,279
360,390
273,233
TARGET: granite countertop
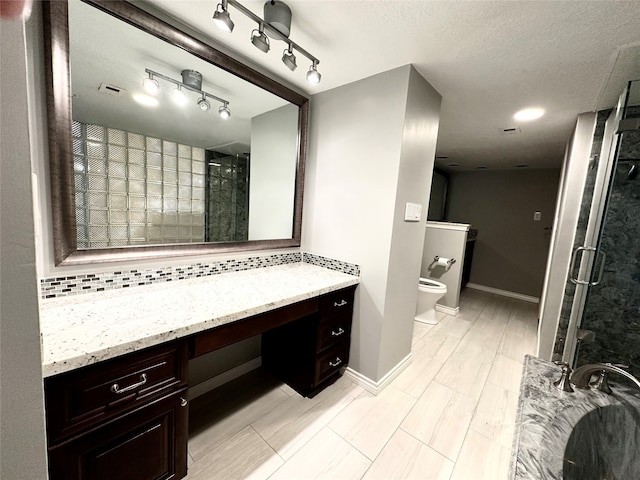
x,y
83,329
546,416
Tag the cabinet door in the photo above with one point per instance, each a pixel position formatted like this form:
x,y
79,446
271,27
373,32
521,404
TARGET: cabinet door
x,y
149,443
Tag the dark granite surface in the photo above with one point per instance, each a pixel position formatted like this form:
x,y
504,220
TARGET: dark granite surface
x,y
546,418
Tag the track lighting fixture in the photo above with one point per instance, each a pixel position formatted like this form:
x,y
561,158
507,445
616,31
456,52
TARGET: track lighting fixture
x,y
260,39
276,25
289,59
222,18
191,80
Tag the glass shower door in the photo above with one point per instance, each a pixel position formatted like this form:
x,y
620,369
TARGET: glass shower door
x,y
611,308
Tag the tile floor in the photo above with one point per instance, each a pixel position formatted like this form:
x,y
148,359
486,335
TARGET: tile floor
x,y
449,416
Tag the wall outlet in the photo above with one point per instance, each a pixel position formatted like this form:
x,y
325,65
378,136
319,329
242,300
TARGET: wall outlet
x,y
412,212
537,216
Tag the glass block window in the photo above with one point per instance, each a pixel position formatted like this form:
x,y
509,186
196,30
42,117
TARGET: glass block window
x,y
132,189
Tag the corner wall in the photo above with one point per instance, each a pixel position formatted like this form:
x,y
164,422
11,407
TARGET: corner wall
x,y
22,432
371,149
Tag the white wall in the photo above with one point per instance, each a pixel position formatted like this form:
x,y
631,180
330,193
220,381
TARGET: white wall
x,y
371,149
273,173
22,432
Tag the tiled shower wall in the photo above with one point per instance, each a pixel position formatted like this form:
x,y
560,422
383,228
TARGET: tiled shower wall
x,y
227,198
133,189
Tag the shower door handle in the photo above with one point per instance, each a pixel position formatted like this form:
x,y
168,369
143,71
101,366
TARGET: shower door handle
x,y
575,280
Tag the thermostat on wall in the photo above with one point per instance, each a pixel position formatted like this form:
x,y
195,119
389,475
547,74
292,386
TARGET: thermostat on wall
x,y
412,212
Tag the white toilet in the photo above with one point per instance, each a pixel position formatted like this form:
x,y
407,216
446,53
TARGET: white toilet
x,y
429,292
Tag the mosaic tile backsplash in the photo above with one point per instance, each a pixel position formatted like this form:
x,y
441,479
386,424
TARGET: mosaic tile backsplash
x,y
55,287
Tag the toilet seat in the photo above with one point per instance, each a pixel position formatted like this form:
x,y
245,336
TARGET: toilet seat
x,y
431,285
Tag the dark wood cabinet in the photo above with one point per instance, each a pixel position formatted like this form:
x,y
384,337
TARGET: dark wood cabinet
x,y
311,352
125,418
147,443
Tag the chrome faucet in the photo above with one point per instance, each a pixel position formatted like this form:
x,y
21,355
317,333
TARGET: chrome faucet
x,y
582,375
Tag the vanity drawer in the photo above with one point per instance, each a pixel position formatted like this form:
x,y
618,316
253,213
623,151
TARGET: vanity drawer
x,y
81,398
335,303
333,331
332,361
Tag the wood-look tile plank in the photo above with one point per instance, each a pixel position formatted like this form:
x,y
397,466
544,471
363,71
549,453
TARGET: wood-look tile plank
x,y
481,459
406,458
215,418
325,456
440,419
369,421
243,456
495,415
506,372
290,425
417,376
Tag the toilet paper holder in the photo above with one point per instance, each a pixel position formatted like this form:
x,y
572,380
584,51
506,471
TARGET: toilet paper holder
x,y
441,260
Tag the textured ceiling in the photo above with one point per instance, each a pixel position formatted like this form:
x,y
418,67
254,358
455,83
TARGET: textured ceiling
x,y
487,59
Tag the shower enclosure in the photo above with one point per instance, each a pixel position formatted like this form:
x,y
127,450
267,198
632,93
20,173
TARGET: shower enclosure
x,y
598,314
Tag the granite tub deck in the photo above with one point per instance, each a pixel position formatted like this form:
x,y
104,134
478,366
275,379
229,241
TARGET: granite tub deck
x,y
84,329
547,416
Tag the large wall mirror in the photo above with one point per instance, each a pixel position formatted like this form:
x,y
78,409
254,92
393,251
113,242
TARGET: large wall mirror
x,y
143,162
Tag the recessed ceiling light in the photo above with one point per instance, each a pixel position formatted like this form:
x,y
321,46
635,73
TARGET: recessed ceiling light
x,y
522,165
482,167
454,164
529,114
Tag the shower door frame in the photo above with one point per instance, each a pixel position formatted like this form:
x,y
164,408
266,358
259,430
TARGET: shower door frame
x,y
590,248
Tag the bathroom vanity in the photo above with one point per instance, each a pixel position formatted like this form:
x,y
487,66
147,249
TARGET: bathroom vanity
x,y
573,435
116,363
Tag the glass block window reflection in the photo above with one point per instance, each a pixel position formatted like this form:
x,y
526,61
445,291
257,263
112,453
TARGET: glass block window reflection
x,y
227,199
132,189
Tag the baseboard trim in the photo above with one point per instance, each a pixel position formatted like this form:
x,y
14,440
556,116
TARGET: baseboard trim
x,y
372,386
214,382
447,310
504,293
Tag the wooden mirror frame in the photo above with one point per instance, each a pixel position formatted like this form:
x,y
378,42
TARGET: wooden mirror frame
x,y
59,113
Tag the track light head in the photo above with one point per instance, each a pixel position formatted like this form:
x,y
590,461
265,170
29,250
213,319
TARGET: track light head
x,y
289,59
224,112
260,39
313,76
179,97
151,85
222,18
203,104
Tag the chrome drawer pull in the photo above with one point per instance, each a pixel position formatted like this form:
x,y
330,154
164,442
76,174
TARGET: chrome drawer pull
x,y
341,304
115,388
336,363
337,333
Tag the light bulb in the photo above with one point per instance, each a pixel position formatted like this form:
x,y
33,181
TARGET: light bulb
x,y
224,112
313,76
204,104
151,86
179,97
